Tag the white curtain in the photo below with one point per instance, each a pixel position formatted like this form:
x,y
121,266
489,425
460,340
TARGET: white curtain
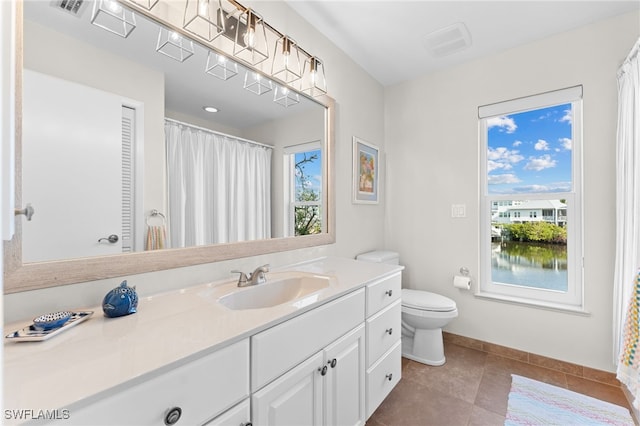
x,y
627,222
219,187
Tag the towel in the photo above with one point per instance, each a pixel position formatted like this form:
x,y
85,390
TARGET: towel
x,y
629,365
156,237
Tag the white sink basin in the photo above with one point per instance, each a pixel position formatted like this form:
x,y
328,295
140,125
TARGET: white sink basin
x,y
280,288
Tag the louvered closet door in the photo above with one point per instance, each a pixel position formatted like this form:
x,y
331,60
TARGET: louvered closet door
x,y
72,169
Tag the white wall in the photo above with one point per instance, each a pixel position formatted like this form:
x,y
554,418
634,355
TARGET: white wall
x,y
359,104
433,160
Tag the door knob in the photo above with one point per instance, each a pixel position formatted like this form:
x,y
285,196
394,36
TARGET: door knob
x,y
113,238
28,211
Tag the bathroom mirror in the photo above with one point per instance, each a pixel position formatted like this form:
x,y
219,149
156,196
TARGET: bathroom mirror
x,y
50,39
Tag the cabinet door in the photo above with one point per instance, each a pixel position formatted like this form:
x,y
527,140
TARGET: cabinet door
x,y
344,393
295,399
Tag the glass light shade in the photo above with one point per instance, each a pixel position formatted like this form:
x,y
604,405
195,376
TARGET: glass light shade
x,y
147,4
251,38
286,60
204,18
174,45
256,83
219,66
313,79
285,96
111,16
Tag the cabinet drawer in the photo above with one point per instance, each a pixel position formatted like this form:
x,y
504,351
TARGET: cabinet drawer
x,y
383,331
383,377
383,293
280,348
239,415
202,389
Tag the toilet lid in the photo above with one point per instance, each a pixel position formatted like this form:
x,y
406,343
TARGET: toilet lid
x,y
425,300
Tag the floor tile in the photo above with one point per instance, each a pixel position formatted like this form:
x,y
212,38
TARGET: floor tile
x,y
471,389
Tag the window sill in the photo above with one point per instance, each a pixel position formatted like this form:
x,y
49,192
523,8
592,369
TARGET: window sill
x,y
570,309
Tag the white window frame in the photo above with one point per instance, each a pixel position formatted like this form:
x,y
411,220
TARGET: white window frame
x,y
573,299
290,203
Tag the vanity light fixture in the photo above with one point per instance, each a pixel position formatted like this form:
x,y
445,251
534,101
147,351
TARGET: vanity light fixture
x,y
173,45
254,82
204,18
219,66
111,16
313,79
286,60
285,97
251,38
210,109
147,4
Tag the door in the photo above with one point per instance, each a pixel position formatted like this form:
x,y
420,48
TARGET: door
x,y
60,116
344,394
294,399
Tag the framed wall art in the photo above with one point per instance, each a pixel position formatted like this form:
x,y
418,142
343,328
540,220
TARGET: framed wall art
x,y
366,170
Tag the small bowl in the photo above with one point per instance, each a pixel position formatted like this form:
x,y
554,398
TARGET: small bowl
x,y
52,320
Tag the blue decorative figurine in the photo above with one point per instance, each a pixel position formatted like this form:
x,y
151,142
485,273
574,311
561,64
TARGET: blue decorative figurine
x,y
120,301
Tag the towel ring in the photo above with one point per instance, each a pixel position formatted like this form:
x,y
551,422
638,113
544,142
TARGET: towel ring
x,y
153,214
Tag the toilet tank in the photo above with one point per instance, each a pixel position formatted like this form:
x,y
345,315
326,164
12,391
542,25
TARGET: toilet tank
x,y
380,256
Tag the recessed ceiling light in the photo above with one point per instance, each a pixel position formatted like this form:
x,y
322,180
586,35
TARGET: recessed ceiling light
x,y
210,109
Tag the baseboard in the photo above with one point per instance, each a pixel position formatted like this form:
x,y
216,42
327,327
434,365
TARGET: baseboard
x,y
588,373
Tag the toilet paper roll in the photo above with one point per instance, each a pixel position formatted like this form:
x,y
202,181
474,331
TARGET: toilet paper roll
x,y
462,282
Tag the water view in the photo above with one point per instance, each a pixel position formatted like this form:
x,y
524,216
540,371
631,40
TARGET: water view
x,y
528,264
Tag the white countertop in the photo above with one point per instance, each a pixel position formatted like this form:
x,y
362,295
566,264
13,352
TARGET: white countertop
x,y
168,330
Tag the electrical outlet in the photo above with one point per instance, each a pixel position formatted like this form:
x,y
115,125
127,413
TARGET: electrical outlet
x,y
458,210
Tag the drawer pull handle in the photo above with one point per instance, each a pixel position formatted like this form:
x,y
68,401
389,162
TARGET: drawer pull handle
x,y
333,363
389,330
323,370
172,416
246,424
388,292
389,376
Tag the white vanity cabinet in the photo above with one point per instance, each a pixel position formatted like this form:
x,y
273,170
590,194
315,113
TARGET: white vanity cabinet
x,y
191,394
383,330
319,361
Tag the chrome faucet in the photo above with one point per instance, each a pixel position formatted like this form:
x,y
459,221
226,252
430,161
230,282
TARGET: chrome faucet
x,y
256,277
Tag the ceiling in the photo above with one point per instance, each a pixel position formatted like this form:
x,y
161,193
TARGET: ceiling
x,y
387,38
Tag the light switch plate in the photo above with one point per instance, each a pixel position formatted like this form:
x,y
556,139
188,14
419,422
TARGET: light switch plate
x,y
458,210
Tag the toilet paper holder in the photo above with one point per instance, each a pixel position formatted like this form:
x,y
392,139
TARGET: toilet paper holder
x,y
464,271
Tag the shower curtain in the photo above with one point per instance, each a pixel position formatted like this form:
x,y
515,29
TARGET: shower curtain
x,y
219,187
626,280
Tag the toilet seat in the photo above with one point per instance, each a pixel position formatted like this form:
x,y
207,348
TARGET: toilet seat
x,y
426,301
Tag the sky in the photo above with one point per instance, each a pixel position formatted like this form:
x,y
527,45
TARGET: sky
x,y
312,170
531,151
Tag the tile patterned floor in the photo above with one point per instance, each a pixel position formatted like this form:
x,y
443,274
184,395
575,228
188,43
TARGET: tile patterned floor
x,y
470,389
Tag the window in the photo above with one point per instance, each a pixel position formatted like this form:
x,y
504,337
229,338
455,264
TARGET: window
x,y
531,175
303,189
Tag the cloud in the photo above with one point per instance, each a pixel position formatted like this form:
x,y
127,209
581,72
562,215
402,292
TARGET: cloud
x,y
567,117
506,124
517,143
540,163
541,145
503,178
553,187
566,143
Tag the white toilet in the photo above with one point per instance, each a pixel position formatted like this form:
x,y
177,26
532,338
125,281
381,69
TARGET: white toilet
x,y
423,316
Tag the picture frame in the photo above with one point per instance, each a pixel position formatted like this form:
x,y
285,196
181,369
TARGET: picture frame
x,y
366,172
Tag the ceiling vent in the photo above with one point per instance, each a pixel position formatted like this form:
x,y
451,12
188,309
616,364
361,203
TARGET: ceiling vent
x,y
448,40
73,7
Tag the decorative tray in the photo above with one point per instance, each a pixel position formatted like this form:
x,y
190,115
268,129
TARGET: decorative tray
x,y
32,334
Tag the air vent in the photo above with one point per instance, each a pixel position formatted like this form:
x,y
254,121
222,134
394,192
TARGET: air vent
x,y
448,40
74,7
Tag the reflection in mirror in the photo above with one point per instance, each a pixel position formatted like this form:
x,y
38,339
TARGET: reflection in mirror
x,y
116,141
